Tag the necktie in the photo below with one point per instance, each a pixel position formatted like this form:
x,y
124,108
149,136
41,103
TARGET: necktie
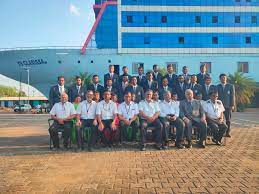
x,y
78,89
181,86
207,89
95,87
134,88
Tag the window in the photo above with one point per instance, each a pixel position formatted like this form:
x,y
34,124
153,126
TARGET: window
x,y
237,1
181,40
175,66
145,19
243,67
198,19
254,20
135,67
248,1
214,19
207,65
164,19
129,19
214,40
146,40
248,40
237,19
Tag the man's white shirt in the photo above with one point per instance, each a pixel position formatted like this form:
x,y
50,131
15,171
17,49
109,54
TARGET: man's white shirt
x,y
87,110
149,108
128,111
106,110
167,108
214,110
63,110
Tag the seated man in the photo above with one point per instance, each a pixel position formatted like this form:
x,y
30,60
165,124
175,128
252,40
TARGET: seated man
x,y
106,113
86,118
169,115
62,113
128,113
192,113
214,110
149,112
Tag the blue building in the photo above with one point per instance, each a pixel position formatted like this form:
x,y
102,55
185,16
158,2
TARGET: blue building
x,y
223,34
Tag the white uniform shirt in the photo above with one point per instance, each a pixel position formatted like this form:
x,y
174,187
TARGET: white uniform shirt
x,y
63,111
128,111
214,110
167,108
87,110
149,109
106,110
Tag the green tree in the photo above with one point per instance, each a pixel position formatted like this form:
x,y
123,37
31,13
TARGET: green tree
x,y
85,77
6,91
163,71
245,89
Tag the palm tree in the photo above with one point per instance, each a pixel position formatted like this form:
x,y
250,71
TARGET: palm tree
x,y
245,89
85,77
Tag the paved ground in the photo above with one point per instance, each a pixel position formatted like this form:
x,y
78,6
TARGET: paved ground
x,y
27,166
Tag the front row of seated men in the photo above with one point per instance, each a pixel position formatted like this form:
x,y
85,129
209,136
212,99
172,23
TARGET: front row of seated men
x,y
106,119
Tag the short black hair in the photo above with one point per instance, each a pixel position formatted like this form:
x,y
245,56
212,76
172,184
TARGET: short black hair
x,y
202,65
78,77
61,76
155,65
185,67
222,74
207,77
95,76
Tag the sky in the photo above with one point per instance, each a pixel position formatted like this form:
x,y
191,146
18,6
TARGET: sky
x,y
33,23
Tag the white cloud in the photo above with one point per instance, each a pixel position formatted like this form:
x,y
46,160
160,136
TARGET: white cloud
x,y
74,10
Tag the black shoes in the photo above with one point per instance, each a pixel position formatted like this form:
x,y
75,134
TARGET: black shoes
x,y
201,144
189,145
180,146
143,148
216,142
228,135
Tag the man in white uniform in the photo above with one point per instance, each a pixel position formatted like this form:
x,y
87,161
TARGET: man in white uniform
x,y
169,116
214,111
106,113
86,118
128,113
62,113
149,112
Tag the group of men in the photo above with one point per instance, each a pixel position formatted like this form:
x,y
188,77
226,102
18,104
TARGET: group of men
x,y
145,102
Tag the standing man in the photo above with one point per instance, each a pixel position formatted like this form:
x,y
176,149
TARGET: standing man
x,y
181,86
169,116
106,113
149,112
62,113
156,75
192,114
141,78
135,89
111,75
96,86
110,87
186,74
150,84
86,118
226,93
201,76
171,77
194,86
77,89
122,87
164,88
125,71
128,113
207,88
56,91
214,110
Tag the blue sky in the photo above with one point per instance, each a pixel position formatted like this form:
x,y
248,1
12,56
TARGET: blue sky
x,y
30,23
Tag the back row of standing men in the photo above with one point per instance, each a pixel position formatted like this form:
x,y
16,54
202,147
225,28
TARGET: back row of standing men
x,y
200,84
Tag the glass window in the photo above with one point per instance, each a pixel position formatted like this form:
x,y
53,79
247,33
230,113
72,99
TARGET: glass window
x,y
207,65
146,40
135,66
237,19
198,19
248,0
243,67
129,19
181,40
237,0
145,19
214,40
253,19
175,66
248,40
214,19
164,19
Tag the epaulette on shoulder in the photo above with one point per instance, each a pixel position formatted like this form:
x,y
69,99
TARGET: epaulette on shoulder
x,y
208,101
